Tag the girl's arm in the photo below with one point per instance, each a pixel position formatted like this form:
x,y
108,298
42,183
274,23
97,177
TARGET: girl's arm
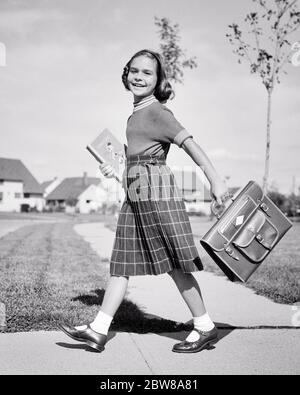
x,y
218,186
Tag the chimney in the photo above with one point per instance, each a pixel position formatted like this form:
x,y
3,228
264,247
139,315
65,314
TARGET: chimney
x,y
84,178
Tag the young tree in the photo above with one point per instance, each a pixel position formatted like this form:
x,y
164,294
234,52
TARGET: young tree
x,y
174,57
269,50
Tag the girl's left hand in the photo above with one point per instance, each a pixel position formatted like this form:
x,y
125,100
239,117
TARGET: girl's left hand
x,y
219,191
107,170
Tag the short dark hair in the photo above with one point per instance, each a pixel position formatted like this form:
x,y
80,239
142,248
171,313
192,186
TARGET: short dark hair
x,y
163,90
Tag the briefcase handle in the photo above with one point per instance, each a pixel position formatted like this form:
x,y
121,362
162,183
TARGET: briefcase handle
x,y
218,209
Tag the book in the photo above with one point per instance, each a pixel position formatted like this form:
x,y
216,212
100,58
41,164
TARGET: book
x,y
106,148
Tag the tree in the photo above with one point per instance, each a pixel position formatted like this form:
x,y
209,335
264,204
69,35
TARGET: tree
x,y
270,51
292,205
174,57
71,202
278,198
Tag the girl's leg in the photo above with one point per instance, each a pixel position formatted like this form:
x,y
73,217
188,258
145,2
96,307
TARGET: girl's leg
x,y
191,293
114,294
113,297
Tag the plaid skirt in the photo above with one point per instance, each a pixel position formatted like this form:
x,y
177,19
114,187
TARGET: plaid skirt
x,y
153,234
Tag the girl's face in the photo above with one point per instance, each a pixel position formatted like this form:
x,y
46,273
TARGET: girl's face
x,y
142,77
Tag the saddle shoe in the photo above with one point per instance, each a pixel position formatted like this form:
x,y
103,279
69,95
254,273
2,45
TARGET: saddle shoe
x,y
93,339
205,340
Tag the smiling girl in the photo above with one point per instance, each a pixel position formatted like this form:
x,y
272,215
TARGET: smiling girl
x,y
153,233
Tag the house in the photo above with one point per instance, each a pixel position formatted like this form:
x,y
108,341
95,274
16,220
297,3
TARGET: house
x,y
19,190
194,191
77,194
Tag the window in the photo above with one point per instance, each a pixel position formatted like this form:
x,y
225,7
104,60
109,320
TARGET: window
x,y
18,195
26,195
1,196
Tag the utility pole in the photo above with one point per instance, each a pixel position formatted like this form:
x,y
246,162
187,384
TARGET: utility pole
x,y
293,185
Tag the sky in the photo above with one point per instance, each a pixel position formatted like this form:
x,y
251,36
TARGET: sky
x,y
61,86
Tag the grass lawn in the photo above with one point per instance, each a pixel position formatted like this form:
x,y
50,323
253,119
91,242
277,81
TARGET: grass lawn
x,y
48,273
44,269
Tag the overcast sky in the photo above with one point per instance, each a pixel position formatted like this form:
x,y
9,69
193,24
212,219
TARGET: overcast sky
x,y
62,85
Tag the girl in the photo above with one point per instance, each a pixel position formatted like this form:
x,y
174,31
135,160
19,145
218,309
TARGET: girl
x,y
153,233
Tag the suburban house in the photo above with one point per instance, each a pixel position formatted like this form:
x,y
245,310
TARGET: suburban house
x,y
78,194
19,190
193,188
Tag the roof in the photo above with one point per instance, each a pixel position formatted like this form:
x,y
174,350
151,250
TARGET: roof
x,y
71,188
190,184
15,170
45,184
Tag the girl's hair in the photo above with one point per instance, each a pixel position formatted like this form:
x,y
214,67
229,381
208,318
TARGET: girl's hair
x,y
163,90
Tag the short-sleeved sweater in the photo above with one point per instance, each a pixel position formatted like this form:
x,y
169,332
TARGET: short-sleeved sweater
x,y
151,130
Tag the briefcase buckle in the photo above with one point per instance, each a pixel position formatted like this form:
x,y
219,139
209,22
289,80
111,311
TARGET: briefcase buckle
x,y
230,252
264,207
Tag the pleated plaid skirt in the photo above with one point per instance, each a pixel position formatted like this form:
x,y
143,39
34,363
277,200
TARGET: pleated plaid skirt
x,y
153,234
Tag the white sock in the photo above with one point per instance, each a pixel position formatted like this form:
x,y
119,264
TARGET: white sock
x,y
100,324
81,327
203,323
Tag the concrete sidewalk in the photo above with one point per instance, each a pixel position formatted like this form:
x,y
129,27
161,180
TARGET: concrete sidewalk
x,y
257,346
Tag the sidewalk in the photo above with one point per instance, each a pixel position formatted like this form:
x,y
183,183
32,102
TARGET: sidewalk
x,y
250,340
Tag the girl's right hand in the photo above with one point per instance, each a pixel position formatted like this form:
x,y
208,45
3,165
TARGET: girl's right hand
x,y
107,170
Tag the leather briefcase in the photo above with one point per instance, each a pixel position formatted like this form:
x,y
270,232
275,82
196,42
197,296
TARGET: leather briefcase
x,y
245,233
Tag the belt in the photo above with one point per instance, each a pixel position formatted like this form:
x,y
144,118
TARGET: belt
x,y
146,159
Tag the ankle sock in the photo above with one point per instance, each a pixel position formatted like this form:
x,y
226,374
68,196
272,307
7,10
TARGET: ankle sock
x,y
203,323
100,324
81,327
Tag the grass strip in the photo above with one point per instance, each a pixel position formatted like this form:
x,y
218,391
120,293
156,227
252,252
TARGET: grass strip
x,y
43,268
48,273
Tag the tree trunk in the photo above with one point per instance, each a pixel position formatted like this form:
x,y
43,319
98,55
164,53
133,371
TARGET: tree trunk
x,y
268,143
